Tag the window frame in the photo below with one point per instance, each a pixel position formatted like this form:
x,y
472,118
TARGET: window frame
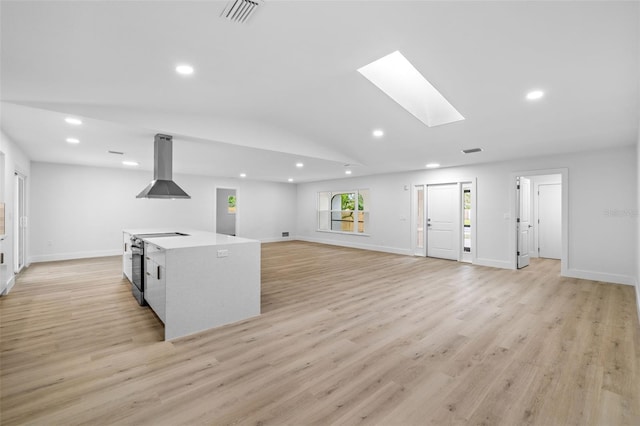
x,y
328,213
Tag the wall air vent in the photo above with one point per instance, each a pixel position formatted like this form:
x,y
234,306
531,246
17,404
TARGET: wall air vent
x,y
240,10
471,150
116,152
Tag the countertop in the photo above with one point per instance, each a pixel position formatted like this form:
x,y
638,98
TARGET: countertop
x,y
194,238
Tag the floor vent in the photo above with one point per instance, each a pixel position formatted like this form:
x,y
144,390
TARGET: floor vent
x,y
240,10
285,234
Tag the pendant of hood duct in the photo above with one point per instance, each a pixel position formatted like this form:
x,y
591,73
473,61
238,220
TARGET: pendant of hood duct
x,y
163,185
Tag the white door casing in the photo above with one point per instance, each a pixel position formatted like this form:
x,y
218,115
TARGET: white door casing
x,y
20,223
550,221
523,220
443,224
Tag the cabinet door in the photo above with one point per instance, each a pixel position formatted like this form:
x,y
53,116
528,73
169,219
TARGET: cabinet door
x,y
154,292
127,256
160,291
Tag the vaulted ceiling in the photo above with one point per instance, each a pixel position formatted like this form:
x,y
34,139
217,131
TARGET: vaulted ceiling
x,y
283,87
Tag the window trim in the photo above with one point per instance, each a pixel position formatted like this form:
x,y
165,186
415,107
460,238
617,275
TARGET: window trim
x,y
331,194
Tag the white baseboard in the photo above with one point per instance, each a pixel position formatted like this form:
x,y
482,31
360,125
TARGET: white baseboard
x,y
349,244
276,239
600,276
9,285
75,255
502,264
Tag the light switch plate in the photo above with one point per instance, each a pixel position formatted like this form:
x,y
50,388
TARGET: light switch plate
x,y
223,253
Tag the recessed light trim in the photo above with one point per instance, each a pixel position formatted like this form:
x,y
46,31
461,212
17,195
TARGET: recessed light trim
x,y
347,172
73,121
402,82
535,95
432,165
299,165
130,163
290,180
378,133
242,175
73,141
184,69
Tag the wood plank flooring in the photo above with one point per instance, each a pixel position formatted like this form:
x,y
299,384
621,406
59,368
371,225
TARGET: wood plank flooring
x,y
346,337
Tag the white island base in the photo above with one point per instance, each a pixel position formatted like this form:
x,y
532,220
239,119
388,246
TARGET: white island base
x,y
201,281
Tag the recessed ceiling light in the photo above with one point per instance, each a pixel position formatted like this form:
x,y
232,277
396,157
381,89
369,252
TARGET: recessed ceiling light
x,y
298,165
378,133
130,163
347,172
432,165
402,82
243,175
74,121
290,180
535,94
184,69
73,140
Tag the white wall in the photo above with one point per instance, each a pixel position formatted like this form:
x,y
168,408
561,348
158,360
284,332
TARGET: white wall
x,y
601,234
14,161
79,211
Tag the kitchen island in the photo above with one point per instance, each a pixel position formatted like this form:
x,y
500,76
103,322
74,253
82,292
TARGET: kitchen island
x,y
196,280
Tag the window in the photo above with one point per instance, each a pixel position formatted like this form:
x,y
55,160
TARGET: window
x,y
231,204
345,212
466,201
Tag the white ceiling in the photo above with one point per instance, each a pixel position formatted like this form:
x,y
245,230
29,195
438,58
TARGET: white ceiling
x,y
284,87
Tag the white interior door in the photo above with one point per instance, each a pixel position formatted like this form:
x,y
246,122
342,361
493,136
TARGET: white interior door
x,y
523,220
443,226
550,221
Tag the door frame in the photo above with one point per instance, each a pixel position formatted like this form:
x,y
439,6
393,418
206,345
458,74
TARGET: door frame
x,y
414,216
20,222
513,200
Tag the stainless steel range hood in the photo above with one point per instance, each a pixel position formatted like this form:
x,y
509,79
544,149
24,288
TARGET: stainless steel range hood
x,y
163,185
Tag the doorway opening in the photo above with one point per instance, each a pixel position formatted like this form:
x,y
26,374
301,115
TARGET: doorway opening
x,y
539,218
226,211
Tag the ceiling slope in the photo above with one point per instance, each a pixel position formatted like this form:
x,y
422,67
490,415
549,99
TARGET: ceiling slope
x,y
284,87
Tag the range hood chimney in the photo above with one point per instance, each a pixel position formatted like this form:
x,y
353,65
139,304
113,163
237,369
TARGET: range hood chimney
x,y
163,185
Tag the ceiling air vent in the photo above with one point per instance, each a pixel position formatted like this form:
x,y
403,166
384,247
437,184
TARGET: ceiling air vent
x,y
471,151
240,10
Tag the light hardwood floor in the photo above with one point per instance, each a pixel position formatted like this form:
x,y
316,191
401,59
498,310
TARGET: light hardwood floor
x,y
346,337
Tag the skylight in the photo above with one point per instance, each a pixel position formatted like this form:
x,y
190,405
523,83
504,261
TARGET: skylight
x,y
402,82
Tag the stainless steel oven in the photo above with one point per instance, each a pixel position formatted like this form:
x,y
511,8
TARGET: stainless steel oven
x,y
137,272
